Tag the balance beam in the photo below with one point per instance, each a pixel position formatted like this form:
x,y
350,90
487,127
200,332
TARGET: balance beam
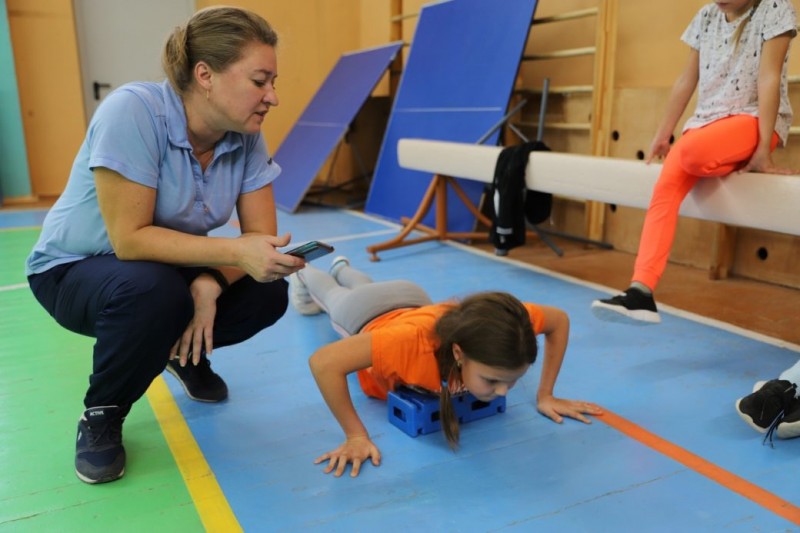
x,y
761,201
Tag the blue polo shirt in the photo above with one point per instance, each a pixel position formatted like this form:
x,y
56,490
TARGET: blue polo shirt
x,y
139,131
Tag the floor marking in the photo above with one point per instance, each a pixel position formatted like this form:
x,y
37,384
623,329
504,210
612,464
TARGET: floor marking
x,y
356,236
706,321
212,506
730,481
18,228
718,324
13,287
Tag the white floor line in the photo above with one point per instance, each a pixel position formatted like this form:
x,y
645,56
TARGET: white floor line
x,y
354,236
13,287
766,339
372,218
19,228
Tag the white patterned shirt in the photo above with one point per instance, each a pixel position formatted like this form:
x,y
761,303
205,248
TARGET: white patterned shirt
x,y
728,82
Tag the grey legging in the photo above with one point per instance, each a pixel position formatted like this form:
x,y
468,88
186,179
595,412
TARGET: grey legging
x,y
352,299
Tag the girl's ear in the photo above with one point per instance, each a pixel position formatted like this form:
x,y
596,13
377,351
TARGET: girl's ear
x,y
458,354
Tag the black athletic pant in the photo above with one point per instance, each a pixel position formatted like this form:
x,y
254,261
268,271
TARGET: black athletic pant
x,y
136,310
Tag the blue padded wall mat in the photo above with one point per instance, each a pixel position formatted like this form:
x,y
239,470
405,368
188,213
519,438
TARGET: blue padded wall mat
x,y
326,119
455,87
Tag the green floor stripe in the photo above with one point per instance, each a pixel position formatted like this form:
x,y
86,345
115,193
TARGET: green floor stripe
x,y
15,245
43,376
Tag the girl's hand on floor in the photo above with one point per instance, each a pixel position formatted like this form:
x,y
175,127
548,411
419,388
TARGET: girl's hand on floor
x,y
557,408
355,450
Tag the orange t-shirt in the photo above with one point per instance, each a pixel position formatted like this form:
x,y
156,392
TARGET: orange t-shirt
x,y
404,345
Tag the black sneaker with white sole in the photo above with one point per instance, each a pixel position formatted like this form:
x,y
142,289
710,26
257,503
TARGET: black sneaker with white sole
x,y
200,382
99,453
789,427
768,405
631,307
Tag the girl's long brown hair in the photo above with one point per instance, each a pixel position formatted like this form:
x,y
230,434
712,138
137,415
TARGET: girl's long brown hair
x,y
492,328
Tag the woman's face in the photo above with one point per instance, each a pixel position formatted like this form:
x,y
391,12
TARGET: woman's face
x,y
487,382
243,93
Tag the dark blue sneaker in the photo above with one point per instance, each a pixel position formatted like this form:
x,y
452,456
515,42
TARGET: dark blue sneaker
x,y
631,307
99,454
199,381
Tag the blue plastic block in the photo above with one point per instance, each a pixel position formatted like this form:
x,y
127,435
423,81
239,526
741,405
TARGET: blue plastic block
x,y
417,412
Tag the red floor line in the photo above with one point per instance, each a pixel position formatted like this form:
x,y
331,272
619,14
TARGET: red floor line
x,y
731,481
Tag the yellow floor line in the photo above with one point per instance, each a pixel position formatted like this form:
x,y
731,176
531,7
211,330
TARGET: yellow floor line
x,y
210,501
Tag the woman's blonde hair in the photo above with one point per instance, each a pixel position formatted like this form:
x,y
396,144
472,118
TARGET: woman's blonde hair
x,y
216,36
492,328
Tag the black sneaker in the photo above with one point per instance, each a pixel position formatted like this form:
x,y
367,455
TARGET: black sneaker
x,y
200,382
789,427
768,405
631,307
99,454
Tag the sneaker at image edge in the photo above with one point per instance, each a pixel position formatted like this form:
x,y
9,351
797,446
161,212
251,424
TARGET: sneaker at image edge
x,y
300,298
99,453
631,307
200,382
789,428
760,408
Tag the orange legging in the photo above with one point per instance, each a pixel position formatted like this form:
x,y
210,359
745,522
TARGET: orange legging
x,y
712,151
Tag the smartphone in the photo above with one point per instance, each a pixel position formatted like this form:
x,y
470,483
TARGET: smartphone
x,y
311,250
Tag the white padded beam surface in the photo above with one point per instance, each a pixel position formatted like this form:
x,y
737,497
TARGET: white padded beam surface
x,y
763,201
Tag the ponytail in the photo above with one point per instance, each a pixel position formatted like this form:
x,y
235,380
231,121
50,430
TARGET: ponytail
x,y
447,417
492,328
738,33
216,36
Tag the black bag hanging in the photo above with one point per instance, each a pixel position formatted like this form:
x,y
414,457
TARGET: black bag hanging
x,y
512,203
538,205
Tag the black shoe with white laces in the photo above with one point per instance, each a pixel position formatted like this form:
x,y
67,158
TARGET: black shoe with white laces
x,y
768,405
199,381
99,454
631,307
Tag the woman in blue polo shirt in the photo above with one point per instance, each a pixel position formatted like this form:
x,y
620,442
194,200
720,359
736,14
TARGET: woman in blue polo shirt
x,y
124,255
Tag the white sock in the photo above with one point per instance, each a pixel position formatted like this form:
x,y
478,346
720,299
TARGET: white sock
x,y
792,374
642,287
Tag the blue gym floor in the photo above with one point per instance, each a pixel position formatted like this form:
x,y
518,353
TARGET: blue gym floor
x,y
671,455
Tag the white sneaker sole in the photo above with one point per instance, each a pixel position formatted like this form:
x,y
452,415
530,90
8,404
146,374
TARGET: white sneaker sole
x,y
787,430
615,313
748,420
